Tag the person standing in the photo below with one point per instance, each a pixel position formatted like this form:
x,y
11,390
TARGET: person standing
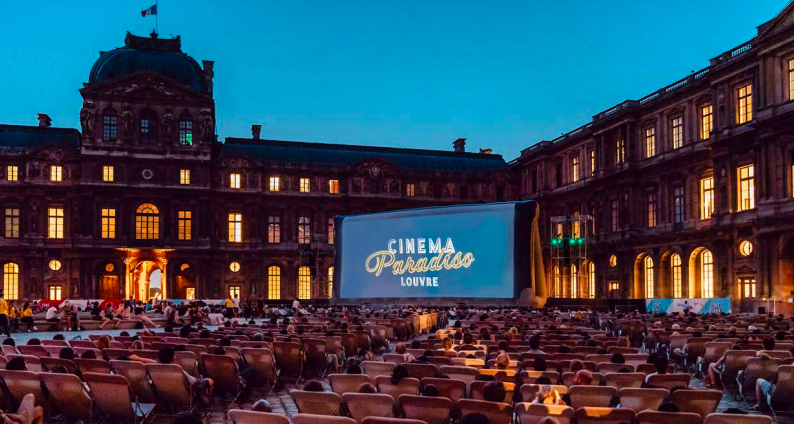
x,y
229,305
5,324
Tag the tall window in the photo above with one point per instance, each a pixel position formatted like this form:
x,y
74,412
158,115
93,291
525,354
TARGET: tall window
x,y
184,176
746,187
677,131
234,292
274,229
305,185
108,174
12,173
55,223
109,126
184,225
791,79
333,186
650,142
647,265
744,104
620,151
304,283
304,230
234,180
706,122
235,227
148,129
706,197
56,173
11,281
330,282
747,287
55,292
613,215
678,204
707,274
675,265
574,282
147,222
108,223
331,232
186,130
12,222
574,169
591,155
274,283
651,209
591,279
557,281
410,190
275,184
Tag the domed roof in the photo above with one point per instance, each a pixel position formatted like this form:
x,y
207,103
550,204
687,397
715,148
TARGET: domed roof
x,y
164,57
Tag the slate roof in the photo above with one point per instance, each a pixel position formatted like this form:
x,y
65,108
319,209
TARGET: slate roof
x,y
278,151
25,138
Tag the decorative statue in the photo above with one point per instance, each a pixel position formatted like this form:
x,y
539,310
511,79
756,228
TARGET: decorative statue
x,y
206,127
126,123
87,120
168,124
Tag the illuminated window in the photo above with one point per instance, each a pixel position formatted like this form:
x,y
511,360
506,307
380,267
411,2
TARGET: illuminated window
x,y
791,79
275,184
746,188
591,279
147,222
575,169
614,286
305,185
330,282
410,190
613,215
651,209
613,261
675,264
557,281
109,267
747,286
56,173
304,283
746,248
12,222
650,142
706,197
331,231
274,229
333,186
274,283
591,155
186,130
234,180
706,122
234,267
10,281
235,227
647,265
184,176
54,265
148,127
677,131
107,174
185,225
55,223
108,223
109,126
234,291
55,292
620,151
678,204
304,230
707,274
574,282
12,173
744,105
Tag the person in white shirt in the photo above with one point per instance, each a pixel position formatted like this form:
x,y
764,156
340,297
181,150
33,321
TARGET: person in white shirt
x,y
54,316
296,304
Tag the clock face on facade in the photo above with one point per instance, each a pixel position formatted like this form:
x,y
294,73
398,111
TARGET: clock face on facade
x,y
147,174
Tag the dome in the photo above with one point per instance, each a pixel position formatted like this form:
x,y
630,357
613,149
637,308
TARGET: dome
x,y
164,57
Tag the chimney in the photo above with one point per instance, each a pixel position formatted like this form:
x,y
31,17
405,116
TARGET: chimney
x,y
44,120
256,130
209,72
459,145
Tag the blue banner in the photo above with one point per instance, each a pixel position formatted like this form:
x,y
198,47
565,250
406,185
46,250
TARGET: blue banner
x,y
715,305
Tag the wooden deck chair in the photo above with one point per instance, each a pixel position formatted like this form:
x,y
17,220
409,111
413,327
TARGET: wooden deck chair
x,y
384,420
20,383
48,364
68,395
756,368
188,361
316,351
718,418
374,368
477,387
347,383
656,417
420,371
597,415
735,361
530,376
171,386
432,410
533,413
114,397
639,399
363,405
320,419
317,403
406,386
135,372
620,380
239,416
92,365
289,361
222,369
529,391
465,374
608,367
497,412
393,358
263,363
33,350
598,396
701,402
448,388
668,381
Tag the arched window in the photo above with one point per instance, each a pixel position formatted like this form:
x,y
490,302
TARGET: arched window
x,y
591,279
574,282
274,283
330,282
147,222
675,271
304,283
707,274
11,281
648,271
186,130
109,125
148,128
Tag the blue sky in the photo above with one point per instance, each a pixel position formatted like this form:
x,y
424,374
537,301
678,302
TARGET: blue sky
x,y
503,74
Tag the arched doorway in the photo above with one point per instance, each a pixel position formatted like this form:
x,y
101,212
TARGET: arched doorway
x,y
644,277
147,280
701,274
185,282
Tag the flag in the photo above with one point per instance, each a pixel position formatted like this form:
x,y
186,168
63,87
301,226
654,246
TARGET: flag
x,y
150,11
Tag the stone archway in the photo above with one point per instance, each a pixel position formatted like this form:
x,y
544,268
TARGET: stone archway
x,y
146,281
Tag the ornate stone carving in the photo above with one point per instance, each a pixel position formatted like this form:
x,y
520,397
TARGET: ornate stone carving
x,y
205,121
126,123
168,125
87,119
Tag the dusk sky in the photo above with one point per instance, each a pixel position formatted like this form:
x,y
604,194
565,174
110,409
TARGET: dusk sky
x,y
503,74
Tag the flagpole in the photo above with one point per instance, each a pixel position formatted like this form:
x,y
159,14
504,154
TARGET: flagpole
x,y
156,19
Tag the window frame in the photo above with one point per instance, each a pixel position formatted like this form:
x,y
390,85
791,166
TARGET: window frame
x,y
677,131
184,220
744,103
107,223
745,186
55,223
649,135
235,228
706,120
